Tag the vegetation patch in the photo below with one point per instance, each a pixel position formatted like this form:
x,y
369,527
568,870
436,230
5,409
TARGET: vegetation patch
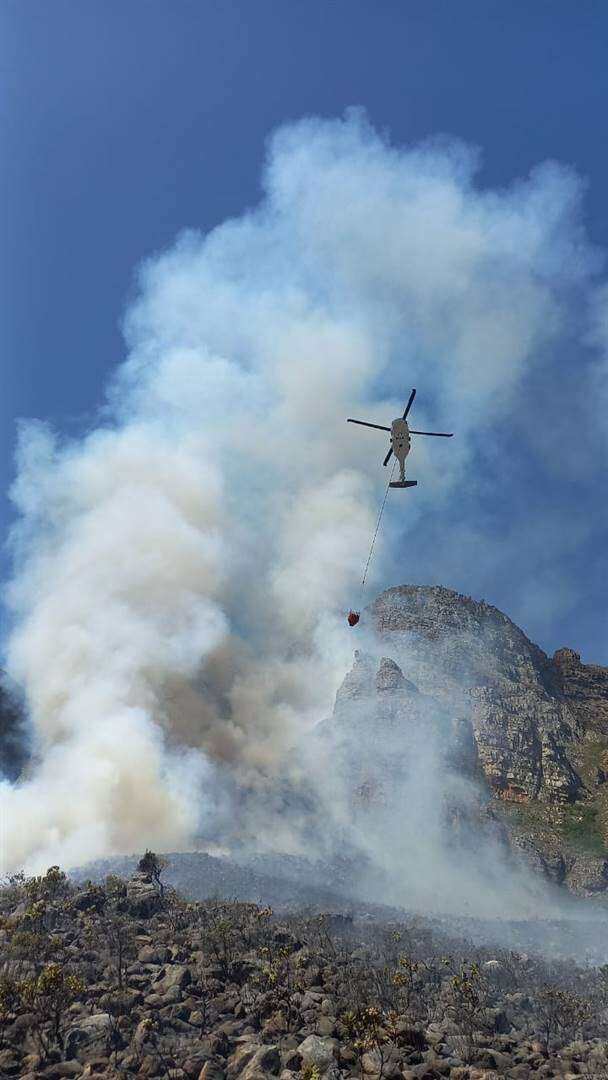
x,y
576,827
580,828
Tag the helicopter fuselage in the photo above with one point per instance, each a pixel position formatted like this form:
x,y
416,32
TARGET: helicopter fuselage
x,y
400,442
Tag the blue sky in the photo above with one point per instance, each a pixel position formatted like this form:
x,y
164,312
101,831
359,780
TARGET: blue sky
x,y
123,123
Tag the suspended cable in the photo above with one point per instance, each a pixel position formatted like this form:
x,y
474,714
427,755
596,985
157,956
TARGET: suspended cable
x,y
371,550
353,616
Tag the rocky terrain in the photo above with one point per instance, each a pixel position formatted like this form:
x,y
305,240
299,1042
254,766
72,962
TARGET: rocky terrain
x,y
575,930
538,724
127,979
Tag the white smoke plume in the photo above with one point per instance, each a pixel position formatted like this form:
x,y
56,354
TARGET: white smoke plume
x,y
182,572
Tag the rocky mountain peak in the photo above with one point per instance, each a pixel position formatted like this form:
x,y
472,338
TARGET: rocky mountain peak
x,y
532,728
474,642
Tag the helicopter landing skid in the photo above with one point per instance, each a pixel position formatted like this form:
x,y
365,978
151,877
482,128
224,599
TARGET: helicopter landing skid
x,y
404,483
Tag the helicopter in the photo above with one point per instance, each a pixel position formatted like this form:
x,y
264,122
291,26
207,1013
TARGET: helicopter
x,y
400,441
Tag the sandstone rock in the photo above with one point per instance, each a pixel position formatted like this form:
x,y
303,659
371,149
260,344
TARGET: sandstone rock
x,y
120,1002
490,1058
9,1062
91,899
212,1071
585,688
151,1065
317,1050
241,1057
372,1063
142,897
31,1063
267,1060
154,954
292,1061
194,1062
326,1025
310,1000
522,735
158,1001
62,1069
173,976
88,1037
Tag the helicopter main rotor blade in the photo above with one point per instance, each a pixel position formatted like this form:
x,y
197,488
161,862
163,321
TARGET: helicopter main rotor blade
x,y
438,434
409,404
388,457
365,423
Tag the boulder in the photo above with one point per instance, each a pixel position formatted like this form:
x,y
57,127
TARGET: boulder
x,y
89,1037
212,1070
10,1062
154,954
317,1050
62,1069
173,976
265,1061
143,898
242,1056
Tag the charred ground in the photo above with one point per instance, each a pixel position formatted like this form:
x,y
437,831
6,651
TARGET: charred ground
x,y
126,978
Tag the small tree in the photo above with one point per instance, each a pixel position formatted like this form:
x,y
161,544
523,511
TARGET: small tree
x,y
279,979
9,999
467,996
119,936
367,1034
153,866
561,1011
48,887
48,996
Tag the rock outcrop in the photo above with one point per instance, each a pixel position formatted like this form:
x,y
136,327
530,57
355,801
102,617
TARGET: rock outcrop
x,y
470,655
376,725
585,688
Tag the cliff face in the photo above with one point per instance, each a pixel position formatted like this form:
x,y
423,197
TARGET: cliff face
x,y
473,657
585,688
532,728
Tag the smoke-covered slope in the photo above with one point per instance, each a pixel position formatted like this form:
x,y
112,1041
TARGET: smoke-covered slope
x,y
540,724
12,750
